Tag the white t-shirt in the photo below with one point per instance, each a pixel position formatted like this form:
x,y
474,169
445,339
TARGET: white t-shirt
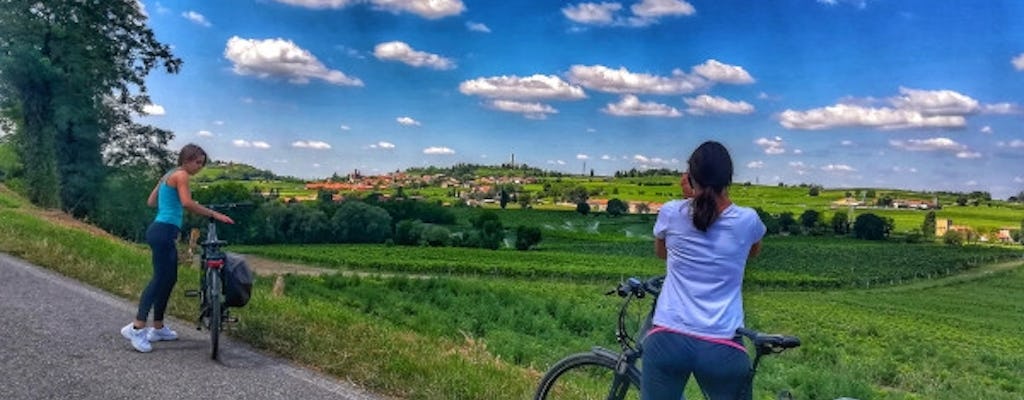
x,y
701,294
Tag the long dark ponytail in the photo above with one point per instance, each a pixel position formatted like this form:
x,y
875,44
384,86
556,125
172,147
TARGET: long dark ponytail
x,y
710,167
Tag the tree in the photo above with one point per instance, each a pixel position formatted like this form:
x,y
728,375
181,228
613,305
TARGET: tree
x,y
71,75
786,222
583,208
527,237
771,223
928,227
870,193
841,223
503,199
643,208
616,207
577,195
953,238
524,200
814,191
358,222
869,226
809,218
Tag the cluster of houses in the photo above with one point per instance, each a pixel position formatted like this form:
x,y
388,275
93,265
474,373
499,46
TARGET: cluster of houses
x,y
916,204
1002,235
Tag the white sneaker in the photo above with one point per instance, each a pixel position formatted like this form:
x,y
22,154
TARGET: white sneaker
x,y
138,337
165,333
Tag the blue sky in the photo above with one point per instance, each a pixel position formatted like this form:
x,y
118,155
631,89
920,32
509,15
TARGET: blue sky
x,y
844,93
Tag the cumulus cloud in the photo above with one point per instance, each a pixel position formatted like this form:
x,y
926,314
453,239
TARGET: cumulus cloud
x,y
196,18
153,109
936,144
631,106
799,167
604,79
311,144
846,143
705,104
529,110
477,27
607,157
1018,62
241,143
771,146
556,162
641,14
407,121
582,157
345,127
845,115
204,134
281,58
260,145
716,71
535,87
383,145
430,9
402,52
653,161
755,164
912,108
438,150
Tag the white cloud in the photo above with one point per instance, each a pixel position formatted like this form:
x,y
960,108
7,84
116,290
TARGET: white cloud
x,y
771,146
1001,108
241,143
716,71
345,127
311,144
218,123
407,121
971,183
438,150
845,115
582,157
528,88
1015,143
936,144
799,167
838,168
846,143
705,104
798,151
652,161
402,52
153,109
282,59
630,106
592,13
755,164
477,27
430,9
644,13
556,162
204,133
607,157
529,110
604,79
383,145
197,18
935,102
986,129
1019,179
261,145
1018,62
591,130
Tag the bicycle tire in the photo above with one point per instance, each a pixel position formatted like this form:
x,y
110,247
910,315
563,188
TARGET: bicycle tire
x,y
587,376
215,304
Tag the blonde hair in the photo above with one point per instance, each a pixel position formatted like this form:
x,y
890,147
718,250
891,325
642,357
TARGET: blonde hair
x,y
191,152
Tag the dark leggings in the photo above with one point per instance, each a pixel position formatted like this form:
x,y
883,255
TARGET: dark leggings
x,y
722,371
161,237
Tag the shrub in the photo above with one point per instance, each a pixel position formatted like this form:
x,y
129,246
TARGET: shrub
x,y
408,232
358,222
436,236
869,226
617,207
527,237
953,238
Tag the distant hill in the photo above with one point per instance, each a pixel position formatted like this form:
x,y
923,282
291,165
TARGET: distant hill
x,y
459,170
220,170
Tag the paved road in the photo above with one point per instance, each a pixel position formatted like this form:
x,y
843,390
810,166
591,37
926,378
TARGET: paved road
x,y
60,339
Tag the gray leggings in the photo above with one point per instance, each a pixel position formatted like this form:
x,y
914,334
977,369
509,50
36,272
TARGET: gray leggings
x,y
722,371
161,237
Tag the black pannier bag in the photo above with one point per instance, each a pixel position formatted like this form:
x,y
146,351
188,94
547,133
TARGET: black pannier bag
x,y
237,281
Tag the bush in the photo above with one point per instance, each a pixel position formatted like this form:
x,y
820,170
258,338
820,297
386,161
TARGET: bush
x,y
869,226
617,207
583,208
436,236
408,232
527,237
953,238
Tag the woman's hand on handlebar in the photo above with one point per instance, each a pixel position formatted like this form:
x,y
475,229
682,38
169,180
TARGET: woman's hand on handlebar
x,y
222,218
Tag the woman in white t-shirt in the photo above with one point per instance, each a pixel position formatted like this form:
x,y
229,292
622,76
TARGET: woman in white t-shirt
x,y
706,241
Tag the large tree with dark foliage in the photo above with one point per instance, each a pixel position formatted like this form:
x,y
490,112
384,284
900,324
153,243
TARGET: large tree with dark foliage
x,y
72,74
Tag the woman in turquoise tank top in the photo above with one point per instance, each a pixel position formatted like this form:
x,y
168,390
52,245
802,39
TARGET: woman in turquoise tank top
x,y
171,196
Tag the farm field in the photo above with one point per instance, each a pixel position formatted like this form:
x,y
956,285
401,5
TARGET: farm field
x,y
471,324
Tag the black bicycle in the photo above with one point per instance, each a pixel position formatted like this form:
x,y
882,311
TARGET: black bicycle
x,y
213,314
606,374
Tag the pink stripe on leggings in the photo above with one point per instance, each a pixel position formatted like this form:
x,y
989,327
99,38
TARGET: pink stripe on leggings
x,y
726,342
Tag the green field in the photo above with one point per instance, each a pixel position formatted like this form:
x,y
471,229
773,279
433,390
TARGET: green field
x,y
938,322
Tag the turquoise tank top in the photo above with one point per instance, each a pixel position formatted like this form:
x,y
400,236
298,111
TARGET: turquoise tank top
x,y
169,209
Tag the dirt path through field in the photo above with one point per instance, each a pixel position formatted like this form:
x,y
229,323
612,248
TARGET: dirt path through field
x,y
974,274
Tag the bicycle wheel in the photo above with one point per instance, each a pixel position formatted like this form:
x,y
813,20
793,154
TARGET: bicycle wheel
x,y
588,376
215,303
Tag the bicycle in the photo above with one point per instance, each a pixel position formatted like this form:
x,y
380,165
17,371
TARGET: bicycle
x,y
606,374
212,311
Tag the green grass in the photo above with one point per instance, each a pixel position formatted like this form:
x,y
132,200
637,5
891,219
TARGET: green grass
x,y
487,336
